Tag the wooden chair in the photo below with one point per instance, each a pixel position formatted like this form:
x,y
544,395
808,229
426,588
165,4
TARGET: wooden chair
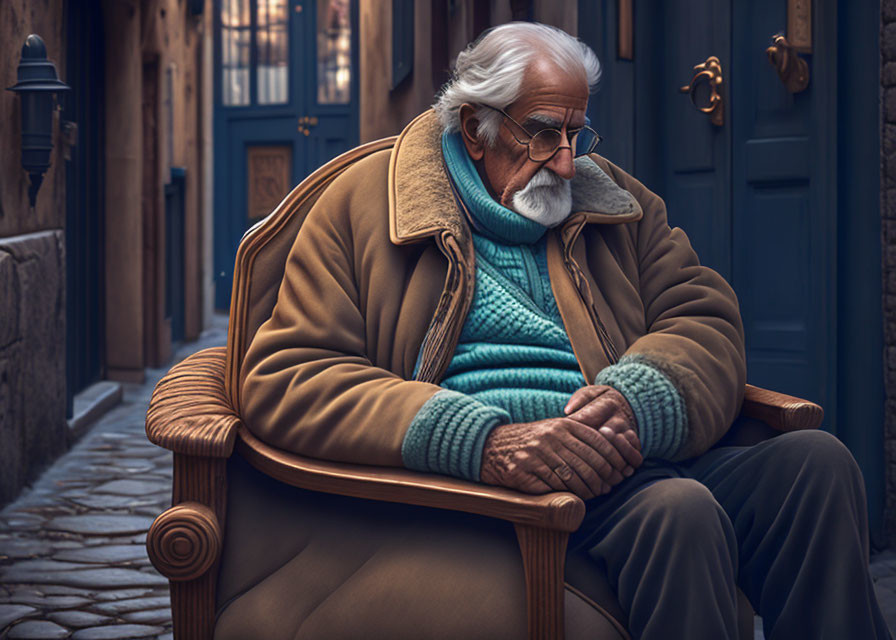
x,y
195,412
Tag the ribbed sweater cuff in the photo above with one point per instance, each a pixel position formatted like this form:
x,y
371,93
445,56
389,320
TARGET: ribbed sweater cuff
x,y
448,433
658,406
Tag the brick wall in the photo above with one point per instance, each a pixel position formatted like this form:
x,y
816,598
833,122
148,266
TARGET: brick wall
x,y
888,237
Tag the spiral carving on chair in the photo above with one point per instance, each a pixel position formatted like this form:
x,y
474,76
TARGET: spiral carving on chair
x,y
184,542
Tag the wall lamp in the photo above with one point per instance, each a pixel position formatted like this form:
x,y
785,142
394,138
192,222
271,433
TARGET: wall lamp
x,y
37,85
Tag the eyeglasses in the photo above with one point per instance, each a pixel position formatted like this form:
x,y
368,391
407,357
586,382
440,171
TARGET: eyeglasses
x,y
543,144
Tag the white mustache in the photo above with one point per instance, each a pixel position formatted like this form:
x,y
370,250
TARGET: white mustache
x,y
545,178
546,199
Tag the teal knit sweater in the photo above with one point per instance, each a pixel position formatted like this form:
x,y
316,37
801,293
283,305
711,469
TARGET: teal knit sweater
x,y
514,361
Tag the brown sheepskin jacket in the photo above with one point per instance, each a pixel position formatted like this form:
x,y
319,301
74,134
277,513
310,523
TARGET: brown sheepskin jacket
x,y
382,270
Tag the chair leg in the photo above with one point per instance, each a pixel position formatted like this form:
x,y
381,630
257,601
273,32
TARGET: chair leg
x,y
544,559
185,543
190,613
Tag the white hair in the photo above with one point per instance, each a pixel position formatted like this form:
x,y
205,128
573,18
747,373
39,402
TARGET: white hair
x,y
490,71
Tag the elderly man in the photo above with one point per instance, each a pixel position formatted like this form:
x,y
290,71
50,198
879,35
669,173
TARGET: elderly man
x,y
491,302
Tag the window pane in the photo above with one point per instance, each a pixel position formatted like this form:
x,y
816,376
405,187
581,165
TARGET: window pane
x,y
272,48
334,51
235,32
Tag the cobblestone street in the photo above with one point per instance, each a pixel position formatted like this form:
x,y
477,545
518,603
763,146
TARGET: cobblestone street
x,y
72,558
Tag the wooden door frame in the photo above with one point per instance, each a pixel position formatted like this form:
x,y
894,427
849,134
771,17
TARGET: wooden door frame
x,y
861,393
156,327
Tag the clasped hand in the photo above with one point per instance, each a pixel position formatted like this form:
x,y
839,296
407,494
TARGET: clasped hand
x,y
589,451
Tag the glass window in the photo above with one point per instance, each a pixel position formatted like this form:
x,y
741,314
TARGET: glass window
x,y
334,51
235,38
272,50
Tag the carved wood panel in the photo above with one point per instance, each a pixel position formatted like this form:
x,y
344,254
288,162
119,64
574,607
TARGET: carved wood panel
x,y
269,179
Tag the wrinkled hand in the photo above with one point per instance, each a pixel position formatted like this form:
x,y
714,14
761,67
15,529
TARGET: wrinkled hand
x,y
605,409
559,454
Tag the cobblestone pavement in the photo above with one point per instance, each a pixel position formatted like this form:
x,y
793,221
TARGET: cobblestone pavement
x,y
73,559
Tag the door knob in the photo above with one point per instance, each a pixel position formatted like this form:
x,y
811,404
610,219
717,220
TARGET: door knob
x,y
709,73
793,70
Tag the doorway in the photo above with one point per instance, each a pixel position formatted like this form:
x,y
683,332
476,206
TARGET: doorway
x,y
83,118
285,103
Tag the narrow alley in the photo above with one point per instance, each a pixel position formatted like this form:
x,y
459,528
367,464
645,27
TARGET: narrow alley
x,y
72,558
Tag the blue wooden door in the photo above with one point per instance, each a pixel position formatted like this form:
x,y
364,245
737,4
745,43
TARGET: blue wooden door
x,y
783,208
757,193
285,103
750,182
695,156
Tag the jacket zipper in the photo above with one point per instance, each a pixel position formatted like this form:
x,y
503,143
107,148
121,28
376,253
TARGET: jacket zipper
x,y
578,278
436,350
442,336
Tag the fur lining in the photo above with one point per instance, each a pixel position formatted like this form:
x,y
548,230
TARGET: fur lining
x,y
594,192
422,203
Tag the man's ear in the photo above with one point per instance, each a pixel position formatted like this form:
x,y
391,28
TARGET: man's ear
x,y
469,124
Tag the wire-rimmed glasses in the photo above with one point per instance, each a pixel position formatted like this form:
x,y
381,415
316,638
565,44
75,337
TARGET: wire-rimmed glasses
x,y
543,144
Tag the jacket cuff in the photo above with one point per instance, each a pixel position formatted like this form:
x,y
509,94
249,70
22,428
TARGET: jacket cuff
x,y
448,433
658,406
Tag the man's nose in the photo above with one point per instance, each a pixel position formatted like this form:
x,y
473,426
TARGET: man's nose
x,y
562,163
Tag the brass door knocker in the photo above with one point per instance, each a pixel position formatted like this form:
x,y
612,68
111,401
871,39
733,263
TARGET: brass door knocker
x,y
709,72
793,70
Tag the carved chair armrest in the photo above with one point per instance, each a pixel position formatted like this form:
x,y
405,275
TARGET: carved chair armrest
x,y
190,415
189,412
780,411
560,511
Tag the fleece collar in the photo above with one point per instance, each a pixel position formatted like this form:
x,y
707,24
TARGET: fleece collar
x,y
422,202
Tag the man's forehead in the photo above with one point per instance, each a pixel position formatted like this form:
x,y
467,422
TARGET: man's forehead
x,y
549,90
550,109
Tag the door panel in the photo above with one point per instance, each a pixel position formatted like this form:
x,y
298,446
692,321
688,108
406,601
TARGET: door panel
x,y
610,107
695,179
780,244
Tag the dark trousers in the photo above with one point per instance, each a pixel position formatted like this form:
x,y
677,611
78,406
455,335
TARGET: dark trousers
x,y
784,520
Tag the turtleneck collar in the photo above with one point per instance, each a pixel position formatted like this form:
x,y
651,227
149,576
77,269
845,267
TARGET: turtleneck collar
x,y
490,218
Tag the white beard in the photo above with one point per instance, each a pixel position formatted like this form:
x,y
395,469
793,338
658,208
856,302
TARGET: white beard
x,y
547,199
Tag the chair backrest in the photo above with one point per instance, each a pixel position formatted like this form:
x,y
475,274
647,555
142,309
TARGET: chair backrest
x,y
261,259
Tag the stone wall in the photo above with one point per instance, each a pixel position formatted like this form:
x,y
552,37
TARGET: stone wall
x,y
33,430
888,213
160,37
